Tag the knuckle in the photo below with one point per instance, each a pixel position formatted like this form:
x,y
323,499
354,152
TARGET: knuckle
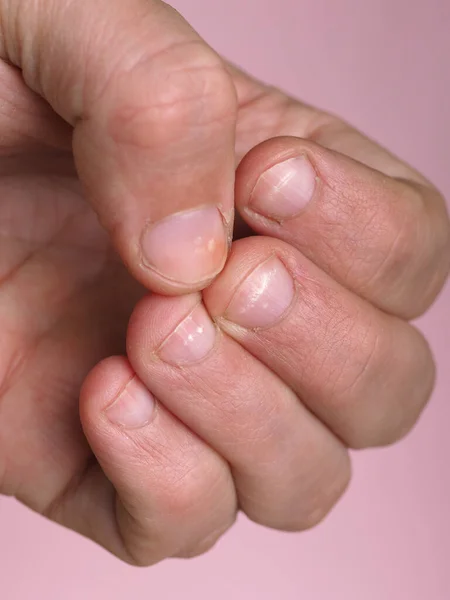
x,y
407,374
207,543
373,434
141,560
138,547
323,504
410,248
294,513
176,93
421,373
428,268
310,519
314,518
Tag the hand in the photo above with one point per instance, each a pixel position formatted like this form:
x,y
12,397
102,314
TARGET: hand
x,y
249,397
65,299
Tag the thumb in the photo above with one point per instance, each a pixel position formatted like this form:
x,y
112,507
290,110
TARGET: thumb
x,y
153,110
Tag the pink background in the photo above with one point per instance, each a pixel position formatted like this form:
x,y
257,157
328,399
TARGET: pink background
x,y
384,65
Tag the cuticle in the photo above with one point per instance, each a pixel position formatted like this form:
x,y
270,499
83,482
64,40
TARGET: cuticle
x,y
265,217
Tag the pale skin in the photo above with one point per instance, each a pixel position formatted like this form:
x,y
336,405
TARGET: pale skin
x,y
147,391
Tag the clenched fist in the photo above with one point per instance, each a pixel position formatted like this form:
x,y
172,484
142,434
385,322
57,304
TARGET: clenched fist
x,y
248,374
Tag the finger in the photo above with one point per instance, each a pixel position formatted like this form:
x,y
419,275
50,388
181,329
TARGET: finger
x,y
167,493
366,374
289,470
386,239
153,110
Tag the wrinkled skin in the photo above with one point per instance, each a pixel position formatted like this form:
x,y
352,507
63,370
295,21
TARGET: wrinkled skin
x,y
66,296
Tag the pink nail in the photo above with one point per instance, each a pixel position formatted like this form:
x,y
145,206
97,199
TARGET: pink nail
x,y
264,297
188,247
191,341
285,189
134,406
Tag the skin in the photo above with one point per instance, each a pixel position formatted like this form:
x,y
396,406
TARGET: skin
x,y
93,150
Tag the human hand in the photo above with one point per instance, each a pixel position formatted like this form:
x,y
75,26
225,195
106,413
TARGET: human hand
x,y
65,299
250,396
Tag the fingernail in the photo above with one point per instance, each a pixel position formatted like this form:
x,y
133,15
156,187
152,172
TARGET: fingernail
x,y
191,341
264,297
188,247
134,406
285,189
